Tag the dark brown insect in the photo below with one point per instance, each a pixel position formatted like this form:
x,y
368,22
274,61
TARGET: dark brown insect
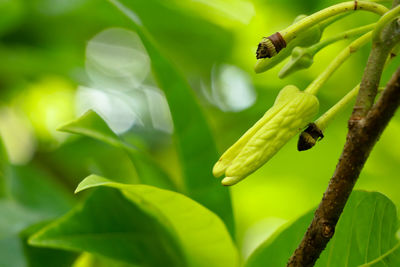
x,y
309,137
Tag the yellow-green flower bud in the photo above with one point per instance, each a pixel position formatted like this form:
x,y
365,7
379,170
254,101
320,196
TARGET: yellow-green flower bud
x,y
292,111
306,38
302,58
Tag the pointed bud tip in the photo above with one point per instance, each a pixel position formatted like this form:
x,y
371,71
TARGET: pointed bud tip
x,y
218,170
228,181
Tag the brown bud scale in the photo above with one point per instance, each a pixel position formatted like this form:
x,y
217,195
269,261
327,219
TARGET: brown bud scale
x,y
270,46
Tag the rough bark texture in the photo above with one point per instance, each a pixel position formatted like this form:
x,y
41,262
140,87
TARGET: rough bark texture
x,y
360,140
365,127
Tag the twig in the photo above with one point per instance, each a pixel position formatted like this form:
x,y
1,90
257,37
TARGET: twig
x,y
365,127
360,140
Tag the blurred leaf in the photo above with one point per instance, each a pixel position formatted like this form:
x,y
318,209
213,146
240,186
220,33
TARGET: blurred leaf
x,y
108,224
81,156
277,249
195,142
17,218
3,169
11,253
92,125
39,191
365,231
11,11
136,222
184,34
32,197
90,260
13,218
44,257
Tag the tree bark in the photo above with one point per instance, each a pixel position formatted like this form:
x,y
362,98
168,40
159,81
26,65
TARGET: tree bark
x,y
366,124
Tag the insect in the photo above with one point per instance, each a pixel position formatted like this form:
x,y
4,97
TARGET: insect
x,y
309,137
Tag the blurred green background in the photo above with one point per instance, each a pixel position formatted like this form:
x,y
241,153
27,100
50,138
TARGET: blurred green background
x,y
59,58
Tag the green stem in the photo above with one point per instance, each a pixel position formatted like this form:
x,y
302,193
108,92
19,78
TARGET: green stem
x,y
302,57
291,32
345,35
328,116
335,64
324,24
323,121
388,38
384,20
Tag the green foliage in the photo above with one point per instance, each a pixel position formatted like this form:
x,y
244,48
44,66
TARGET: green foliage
x,y
195,143
32,198
135,222
90,124
43,257
160,205
365,232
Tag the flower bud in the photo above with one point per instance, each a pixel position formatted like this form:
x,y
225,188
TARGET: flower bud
x,y
270,59
291,112
301,58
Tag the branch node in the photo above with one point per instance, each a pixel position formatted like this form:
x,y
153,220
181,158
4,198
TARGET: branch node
x,y
328,229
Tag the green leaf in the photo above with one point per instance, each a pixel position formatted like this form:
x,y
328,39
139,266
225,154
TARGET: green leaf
x,y
33,196
37,190
365,232
90,260
108,224
92,125
17,218
44,257
195,142
11,253
3,169
277,250
135,222
14,218
184,34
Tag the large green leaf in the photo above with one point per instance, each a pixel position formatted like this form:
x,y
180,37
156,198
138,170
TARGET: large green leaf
x,y
92,125
3,169
135,222
90,260
14,218
33,196
184,34
276,250
365,234
44,257
13,249
36,189
196,145
11,252
108,224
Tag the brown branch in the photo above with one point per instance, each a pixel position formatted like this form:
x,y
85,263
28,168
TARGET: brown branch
x,y
365,127
381,47
360,140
